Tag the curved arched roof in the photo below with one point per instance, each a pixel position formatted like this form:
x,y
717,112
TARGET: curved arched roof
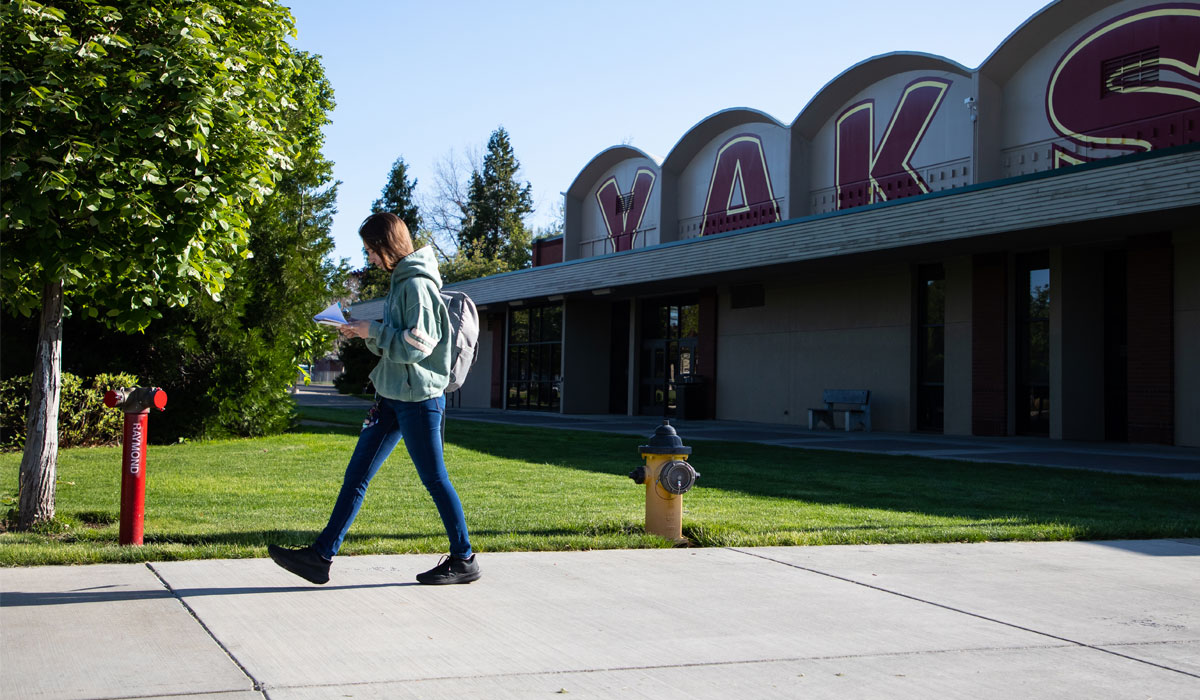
x,y
601,162
820,109
707,129
1037,31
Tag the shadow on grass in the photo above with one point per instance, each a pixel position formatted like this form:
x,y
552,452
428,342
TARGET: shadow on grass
x,y
1093,504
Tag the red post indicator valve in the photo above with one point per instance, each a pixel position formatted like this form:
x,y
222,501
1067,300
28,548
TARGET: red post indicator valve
x,y
136,400
136,403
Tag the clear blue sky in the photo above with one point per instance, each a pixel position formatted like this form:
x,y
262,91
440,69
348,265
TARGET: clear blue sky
x,y
568,79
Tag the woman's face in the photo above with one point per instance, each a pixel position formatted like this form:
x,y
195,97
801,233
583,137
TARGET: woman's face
x,y
373,258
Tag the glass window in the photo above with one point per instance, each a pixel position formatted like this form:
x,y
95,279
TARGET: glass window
x,y
689,321
534,358
933,358
519,326
931,347
1033,344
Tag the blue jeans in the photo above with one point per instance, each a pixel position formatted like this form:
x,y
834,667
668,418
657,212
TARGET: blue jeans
x,y
420,424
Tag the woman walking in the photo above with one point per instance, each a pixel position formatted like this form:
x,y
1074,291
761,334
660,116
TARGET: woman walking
x,y
413,344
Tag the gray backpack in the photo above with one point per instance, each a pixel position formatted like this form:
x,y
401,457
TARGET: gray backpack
x,y
464,336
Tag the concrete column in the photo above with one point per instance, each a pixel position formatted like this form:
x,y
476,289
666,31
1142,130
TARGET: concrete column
x,y
484,383
1187,338
706,365
586,340
1076,344
957,381
631,391
989,345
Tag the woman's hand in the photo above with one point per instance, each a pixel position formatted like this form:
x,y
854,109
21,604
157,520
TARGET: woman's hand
x,y
355,329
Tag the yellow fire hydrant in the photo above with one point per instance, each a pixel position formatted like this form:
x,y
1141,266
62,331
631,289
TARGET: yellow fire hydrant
x,y
667,477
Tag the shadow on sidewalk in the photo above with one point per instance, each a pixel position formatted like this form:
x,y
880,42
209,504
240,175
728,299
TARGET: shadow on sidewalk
x,y
20,599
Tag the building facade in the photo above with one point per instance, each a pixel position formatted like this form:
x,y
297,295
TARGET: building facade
x,y
1007,250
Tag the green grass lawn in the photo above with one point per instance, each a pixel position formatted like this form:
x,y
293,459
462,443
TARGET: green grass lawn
x,y
539,489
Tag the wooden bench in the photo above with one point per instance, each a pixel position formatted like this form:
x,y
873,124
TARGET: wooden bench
x,y
853,404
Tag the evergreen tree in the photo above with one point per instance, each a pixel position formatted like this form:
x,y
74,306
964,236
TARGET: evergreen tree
x,y
395,197
494,233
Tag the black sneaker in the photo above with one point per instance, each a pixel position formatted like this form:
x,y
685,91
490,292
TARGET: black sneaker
x,y
302,561
451,570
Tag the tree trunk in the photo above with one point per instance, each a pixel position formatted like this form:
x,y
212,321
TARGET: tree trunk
x,y
40,461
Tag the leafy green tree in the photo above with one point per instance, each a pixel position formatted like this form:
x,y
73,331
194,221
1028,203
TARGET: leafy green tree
x,y
494,228
371,282
135,141
227,363
464,266
231,360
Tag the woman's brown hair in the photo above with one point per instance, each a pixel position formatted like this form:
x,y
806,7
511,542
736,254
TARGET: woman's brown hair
x,y
387,235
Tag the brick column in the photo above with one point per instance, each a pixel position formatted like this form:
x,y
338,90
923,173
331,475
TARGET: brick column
x,y
1151,340
989,345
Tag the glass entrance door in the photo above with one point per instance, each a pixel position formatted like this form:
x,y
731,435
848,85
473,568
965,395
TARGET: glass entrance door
x,y
670,331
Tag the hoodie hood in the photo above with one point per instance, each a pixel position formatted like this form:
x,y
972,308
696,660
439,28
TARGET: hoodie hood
x,y
419,262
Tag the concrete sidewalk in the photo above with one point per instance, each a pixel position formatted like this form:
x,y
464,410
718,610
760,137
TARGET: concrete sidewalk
x,y
992,620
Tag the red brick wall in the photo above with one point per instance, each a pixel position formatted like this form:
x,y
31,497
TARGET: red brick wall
x,y
1151,340
547,251
989,345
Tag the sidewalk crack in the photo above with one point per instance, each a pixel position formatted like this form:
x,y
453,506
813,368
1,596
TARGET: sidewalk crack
x,y
254,681
961,611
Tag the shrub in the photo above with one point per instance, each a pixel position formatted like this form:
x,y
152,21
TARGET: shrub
x,y
83,419
357,362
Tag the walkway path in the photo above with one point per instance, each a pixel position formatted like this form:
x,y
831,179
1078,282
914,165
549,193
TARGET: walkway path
x,y
988,620
994,620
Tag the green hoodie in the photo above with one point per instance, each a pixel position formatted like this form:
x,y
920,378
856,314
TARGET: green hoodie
x,y
413,339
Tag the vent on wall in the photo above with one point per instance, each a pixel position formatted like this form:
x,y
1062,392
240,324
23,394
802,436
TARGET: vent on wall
x,y
747,296
624,203
1129,72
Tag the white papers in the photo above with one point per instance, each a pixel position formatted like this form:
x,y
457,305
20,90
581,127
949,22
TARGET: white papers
x,y
331,316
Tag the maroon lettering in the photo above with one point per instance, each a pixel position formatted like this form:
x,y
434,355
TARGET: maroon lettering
x,y
739,191
623,213
865,173
853,148
1130,84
